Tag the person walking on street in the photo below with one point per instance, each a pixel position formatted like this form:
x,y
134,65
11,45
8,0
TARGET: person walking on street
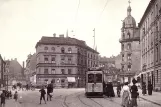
x,y
126,95
16,96
42,96
118,89
134,93
150,88
144,88
49,90
3,98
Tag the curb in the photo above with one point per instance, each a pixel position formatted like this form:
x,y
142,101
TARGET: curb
x,y
150,101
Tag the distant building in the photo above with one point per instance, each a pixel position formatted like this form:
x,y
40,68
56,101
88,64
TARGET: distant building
x,y
150,40
15,71
130,48
2,72
64,61
118,60
30,70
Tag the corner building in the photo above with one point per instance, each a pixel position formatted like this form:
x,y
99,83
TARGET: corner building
x,y
150,39
64,61
130,48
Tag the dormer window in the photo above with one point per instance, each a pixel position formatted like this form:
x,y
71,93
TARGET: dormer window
x,y
62,50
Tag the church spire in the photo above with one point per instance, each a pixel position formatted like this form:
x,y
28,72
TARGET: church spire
x,y
129,9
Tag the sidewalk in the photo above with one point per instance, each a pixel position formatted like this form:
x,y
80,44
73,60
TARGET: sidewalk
x,y
154,98
12,103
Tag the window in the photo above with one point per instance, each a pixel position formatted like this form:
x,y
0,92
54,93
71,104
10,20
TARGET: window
x,y
53,49
63,58
122,57
99,78
46,59
129,56
53,71
157,76
69,71
129,67
157,54
69,60
156,9
69,50
46,71
62,80
45,48
122,47
53,80
128,34
129,46
62,50
90,78
52,59
122,67
62,71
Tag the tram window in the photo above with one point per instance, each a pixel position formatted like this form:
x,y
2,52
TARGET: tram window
x,y
98,78
90,78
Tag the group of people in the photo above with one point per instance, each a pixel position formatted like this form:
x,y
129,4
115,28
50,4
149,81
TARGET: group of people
x,y
43,92
6,95
108,89
144,88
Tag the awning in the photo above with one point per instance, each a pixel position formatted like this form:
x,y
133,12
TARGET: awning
x,y
71,79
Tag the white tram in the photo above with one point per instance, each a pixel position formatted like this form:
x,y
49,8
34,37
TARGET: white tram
x,y
94,82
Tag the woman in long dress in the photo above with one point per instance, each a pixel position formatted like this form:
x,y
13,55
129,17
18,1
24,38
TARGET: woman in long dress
x,y
126,95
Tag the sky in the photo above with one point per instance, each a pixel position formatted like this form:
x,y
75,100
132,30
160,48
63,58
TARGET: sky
x,y
24,22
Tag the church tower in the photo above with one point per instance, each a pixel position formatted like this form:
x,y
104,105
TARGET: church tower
x,y
130,48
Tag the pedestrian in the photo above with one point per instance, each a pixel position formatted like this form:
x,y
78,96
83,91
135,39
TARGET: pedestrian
x,y
42,96
134,93
49,91
3,97
126,95
144,88
150,88
15,96
118,88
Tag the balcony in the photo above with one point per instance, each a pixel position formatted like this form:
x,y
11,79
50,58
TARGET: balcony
x,y
129,39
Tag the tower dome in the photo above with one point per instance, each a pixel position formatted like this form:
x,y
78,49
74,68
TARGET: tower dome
x,y
129,21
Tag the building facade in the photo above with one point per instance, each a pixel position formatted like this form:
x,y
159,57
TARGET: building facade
x,y
130,48
15,71
64,61
30,69
2,72
150,40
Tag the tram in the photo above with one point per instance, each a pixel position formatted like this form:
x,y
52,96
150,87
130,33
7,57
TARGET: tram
x,y
94,82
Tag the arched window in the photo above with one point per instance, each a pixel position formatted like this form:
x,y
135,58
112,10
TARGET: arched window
x,y
128,34
128,46
69,50
62,50
45,48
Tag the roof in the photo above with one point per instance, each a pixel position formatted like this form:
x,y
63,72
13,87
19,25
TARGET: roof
x,y
63,41
146,11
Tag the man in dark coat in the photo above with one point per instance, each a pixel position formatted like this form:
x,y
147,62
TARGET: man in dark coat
x,y
49,90
150,88
143,88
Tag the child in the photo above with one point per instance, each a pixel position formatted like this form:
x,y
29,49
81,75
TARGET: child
x,y
43,92
16,96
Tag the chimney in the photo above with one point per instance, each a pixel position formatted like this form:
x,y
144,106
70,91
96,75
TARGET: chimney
x,y
54,35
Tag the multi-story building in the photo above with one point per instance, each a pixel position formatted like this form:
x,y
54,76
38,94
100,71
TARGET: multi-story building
x,y
64,61
130,47
2,72
30,70
15,71
150,40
